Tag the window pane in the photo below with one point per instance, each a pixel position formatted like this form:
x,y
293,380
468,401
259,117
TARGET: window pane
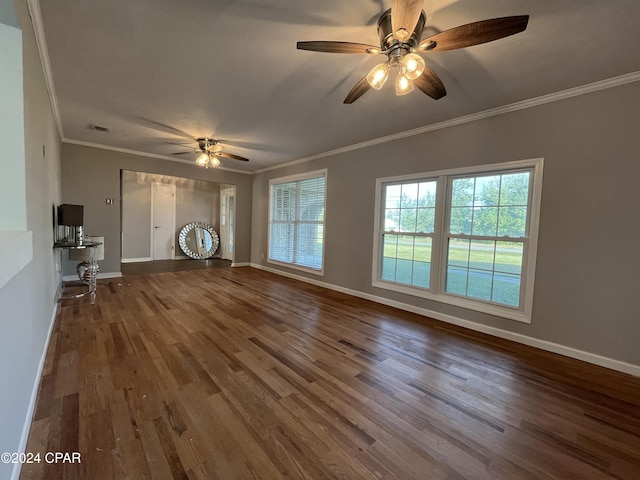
x,y
461,220
407,259
421,274
404,271
427,194
479,284
309,245
487,191
481,254
506,289
405,247
426,220
456,280
408,220
515,189
392,220
458,252
462,192
281,245
409,195
485,221
422,262
509,256
388,269
390,251
512,221
392,196
390,245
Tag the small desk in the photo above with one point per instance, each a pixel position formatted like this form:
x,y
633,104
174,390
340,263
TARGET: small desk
x,y
91,271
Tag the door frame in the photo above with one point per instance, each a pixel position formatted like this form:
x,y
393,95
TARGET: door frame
x,y
173,221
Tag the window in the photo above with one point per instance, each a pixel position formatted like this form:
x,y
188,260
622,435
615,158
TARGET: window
x,y
296,221
465,237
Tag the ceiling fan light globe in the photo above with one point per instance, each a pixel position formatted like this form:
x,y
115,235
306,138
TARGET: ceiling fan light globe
x,y
377,77
413,65
215,161
404,85
203,160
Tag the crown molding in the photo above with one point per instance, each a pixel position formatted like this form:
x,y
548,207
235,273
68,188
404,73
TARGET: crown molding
x,y
513,107
143,154
41,43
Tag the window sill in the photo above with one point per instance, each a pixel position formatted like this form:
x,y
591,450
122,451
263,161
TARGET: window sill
x,y
496,310
16,252
293,266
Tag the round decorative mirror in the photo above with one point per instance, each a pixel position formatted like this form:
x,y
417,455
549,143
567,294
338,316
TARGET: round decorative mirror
x,y
198,240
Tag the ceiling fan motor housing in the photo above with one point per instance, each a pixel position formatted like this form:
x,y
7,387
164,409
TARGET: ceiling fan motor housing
x,y
389,43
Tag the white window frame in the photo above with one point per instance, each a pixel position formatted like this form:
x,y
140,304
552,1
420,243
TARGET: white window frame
x,y
297,178
436,291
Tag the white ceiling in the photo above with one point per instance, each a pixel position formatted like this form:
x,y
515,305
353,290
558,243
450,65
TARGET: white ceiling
x,y
163,70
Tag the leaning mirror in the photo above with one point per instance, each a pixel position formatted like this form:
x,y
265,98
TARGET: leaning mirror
x,y
198,240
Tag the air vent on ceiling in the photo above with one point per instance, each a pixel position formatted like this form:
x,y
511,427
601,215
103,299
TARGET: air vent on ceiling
x,y
98,128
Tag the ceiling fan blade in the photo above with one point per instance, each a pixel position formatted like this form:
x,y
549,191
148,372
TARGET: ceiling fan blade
x,y
475,33
230,155
429,82
180,144
356,92
404,17
338,47
184,153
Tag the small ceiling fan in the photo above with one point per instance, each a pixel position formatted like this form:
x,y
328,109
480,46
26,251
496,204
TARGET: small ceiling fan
x,y
400,31
210,151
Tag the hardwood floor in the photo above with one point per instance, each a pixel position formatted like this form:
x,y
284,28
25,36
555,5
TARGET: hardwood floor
x,y
239,373
161,266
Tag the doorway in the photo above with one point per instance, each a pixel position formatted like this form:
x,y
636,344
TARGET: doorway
x,y
163,221
227,222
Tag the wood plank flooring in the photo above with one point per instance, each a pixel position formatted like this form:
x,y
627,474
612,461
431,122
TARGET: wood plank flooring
x,y
161,266
239,373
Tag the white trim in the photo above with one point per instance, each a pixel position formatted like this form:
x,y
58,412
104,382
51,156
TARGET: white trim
x,y
570,352
241,264
513,107
144,154
135,260
15,472
16,252
100,276
41,42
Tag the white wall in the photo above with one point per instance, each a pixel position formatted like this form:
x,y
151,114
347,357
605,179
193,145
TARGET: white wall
x,y
27,304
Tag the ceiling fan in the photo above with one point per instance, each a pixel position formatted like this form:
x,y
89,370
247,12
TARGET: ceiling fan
x,y
210,151
400,31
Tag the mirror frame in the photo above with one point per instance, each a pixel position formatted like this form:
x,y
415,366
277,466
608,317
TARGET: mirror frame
x,y
182,240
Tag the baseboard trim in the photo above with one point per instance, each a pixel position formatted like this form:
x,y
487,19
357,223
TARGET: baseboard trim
x,y
588,357
24,438
101,276
241,264
135,260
